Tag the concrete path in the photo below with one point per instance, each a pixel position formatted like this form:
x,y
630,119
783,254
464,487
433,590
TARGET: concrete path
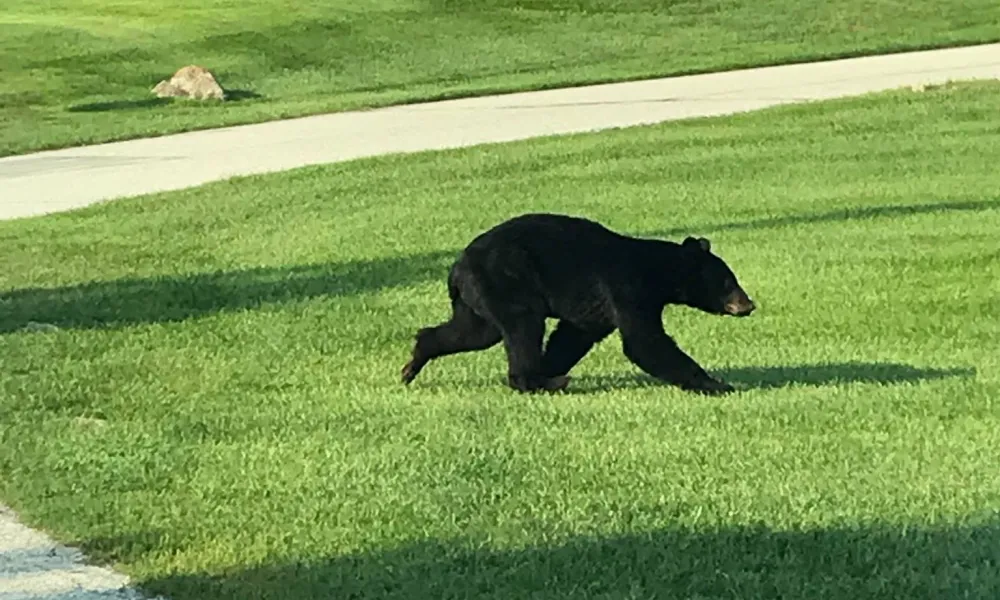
x,y
64,179
34,567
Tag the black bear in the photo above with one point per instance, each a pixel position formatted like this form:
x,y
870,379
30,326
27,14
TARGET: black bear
x,y
509,279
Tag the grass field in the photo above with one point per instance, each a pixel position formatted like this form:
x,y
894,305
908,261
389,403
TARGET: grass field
x,y
80,71
219,414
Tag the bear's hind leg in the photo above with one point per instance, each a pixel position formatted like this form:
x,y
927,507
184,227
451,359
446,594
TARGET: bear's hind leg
x,y
520,320
567,346
464,332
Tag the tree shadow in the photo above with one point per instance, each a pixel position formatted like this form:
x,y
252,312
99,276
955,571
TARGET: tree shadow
x,y
847,214
124,302
859,562
131,301
771,377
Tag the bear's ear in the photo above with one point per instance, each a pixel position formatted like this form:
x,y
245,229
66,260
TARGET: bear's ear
x,y
701,243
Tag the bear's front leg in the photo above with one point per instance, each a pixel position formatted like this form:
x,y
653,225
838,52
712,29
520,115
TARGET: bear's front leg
x,y
652,350
569,343
523,343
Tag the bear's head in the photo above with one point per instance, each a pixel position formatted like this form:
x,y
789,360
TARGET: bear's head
x,y
710,284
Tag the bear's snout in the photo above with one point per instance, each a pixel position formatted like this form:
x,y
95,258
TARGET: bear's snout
x,y
739,304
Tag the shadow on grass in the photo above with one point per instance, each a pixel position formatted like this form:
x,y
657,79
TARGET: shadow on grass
x,y
847,214
238,95
125,302
119,105
231,96
742,378
862,562
763,378
835,374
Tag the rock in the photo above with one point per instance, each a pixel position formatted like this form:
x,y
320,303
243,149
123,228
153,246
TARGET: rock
x,y
191,81
40,327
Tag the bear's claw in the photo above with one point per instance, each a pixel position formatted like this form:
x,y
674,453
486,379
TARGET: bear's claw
x,y
409,372
557,383
717,388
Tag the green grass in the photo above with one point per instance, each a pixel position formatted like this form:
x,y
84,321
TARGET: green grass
x,y
219,414
80,71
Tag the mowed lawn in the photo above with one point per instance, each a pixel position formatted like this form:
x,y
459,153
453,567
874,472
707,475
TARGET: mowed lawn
x,y
219,413
80,71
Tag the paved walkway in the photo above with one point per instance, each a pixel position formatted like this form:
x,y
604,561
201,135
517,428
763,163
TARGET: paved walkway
x,y
34,567
63,179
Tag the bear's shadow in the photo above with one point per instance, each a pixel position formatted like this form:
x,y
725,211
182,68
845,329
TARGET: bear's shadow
x,y
753,378
772,377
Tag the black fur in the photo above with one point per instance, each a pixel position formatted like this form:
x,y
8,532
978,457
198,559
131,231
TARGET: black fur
x,y
536,266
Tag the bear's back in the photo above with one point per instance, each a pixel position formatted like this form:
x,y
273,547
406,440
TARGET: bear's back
x,y
558,256
549,233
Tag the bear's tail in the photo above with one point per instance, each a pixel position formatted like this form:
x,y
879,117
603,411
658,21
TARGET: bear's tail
x,y
454,277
